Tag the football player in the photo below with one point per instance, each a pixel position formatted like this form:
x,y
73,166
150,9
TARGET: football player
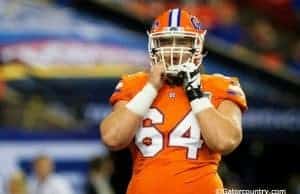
x,y
176,121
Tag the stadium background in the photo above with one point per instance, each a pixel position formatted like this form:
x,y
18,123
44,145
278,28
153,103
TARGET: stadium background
x,y
60,61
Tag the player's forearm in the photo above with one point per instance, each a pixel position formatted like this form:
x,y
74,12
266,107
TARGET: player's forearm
x,y
220,133
119,128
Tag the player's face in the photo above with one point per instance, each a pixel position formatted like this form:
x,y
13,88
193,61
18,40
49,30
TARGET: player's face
x,y
175,50
176,42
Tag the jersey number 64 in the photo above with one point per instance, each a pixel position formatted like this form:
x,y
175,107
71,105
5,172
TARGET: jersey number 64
x,y
185,135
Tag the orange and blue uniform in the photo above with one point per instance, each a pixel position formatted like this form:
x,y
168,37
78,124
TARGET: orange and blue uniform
x,y
169,155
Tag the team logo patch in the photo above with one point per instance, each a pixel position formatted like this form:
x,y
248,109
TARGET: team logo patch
x,y
197,25
235,90
172,95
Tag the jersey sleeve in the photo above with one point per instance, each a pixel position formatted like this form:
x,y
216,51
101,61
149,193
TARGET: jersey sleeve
x,y
236,94
122,92
227,88
128,87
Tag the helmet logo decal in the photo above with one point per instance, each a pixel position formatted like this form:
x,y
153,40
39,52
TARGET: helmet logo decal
x,y
155,25
197,25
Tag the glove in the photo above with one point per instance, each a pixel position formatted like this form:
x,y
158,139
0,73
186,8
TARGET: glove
x,y
191,76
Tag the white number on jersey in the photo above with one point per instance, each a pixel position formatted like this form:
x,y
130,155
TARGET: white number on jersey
x,y
186,134
148,139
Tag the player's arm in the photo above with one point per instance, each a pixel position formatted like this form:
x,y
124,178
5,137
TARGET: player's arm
x,y
119,127
221,128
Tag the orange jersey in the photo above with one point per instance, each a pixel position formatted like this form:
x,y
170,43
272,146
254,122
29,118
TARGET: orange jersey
x,y
169,155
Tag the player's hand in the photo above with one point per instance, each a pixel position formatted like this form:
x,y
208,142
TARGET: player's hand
x,y
190,74
157,75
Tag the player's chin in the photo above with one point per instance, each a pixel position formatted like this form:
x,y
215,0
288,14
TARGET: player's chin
x,y
163,76
174,80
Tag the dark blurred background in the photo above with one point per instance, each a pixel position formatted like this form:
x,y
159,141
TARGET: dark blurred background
x,y
60,61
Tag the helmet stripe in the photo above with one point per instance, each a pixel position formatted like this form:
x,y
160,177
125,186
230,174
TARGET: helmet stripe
x,y
174,17
178,17
170,17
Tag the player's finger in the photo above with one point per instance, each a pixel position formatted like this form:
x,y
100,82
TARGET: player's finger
x,y
161,67
158,69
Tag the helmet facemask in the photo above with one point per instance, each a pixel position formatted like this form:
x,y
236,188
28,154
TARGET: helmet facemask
x,y
173,48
